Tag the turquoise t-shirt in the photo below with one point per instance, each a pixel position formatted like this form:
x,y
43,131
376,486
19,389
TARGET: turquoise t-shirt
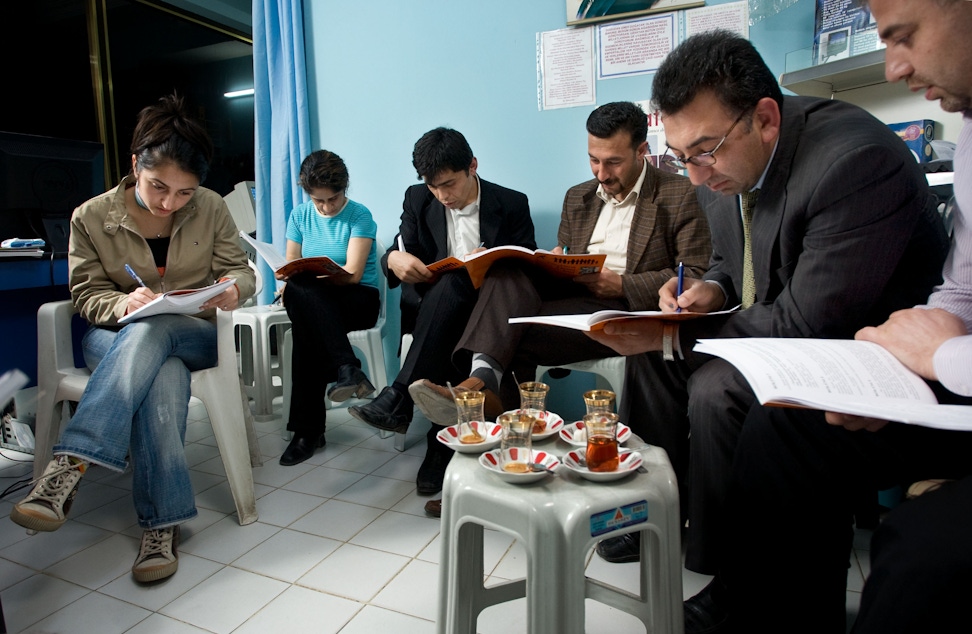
x,y
322,235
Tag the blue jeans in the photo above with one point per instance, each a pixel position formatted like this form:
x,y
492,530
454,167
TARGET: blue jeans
x,y
136,405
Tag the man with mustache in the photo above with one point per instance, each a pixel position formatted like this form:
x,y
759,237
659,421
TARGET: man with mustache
x,y
841,231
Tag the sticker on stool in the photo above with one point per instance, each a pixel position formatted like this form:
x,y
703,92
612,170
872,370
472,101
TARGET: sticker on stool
x,y
628,515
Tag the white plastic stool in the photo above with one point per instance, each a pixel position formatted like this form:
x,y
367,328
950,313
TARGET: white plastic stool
x,y
557,521
256,326
610,369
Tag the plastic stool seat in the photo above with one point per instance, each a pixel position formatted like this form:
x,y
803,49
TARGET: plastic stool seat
x,y
557,521
256,365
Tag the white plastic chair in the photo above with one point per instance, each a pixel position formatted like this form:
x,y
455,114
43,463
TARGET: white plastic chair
x,y
368,341
610,369
218,388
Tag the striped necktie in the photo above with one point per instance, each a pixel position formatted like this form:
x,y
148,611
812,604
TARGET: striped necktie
x,y
748,202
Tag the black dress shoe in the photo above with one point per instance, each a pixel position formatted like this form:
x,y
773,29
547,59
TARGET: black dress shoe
x,y
432,472
351,382
707,612
300,449
389,411
623,549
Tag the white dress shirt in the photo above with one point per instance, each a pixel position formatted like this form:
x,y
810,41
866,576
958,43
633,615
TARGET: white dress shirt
x,y
462,226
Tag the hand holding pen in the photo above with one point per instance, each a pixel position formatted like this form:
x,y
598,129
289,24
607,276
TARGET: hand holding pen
x,y
141,295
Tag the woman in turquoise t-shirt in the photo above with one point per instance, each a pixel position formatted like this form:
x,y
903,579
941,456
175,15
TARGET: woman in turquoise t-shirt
x,y
323,310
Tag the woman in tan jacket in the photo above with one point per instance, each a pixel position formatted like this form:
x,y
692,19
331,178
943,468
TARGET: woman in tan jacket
x,y
157,231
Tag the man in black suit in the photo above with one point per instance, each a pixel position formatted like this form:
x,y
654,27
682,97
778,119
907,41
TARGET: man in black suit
x,y
843,232
454,213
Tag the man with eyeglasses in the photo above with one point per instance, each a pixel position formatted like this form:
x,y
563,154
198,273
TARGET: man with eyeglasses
x,y
795,477
843,232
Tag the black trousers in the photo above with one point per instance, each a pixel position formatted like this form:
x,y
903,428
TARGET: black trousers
x,y
321,314
442,316
512,290
697,414
795,483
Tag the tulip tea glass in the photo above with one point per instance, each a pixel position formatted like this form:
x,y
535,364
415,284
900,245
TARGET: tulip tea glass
x,y
598,401
602,441
469,405
533,397
516,446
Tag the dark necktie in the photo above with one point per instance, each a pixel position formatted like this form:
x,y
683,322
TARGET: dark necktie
x,y
748,202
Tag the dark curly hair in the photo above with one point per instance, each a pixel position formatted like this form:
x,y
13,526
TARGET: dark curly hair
x,y
164,133
323,169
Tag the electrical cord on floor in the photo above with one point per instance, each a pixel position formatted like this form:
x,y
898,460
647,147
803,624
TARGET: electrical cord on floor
x,y
19,485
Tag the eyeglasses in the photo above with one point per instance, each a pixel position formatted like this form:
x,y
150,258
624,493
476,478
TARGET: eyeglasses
x,y
702,159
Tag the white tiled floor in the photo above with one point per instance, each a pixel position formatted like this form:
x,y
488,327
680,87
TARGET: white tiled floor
x,y
342,545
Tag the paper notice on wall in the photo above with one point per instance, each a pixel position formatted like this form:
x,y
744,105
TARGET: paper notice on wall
x,y
635,47
565,68
733,16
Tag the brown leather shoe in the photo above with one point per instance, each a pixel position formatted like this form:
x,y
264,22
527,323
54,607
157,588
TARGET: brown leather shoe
x,y
434,508
435,401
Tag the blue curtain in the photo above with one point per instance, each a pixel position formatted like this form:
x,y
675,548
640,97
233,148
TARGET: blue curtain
x,y
281,119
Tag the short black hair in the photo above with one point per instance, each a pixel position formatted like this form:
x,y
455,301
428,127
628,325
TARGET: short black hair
x,y
441,149
323,168
614,117
720,61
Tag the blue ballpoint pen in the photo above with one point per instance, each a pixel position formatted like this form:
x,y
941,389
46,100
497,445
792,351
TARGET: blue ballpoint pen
x,y
135,276
681,282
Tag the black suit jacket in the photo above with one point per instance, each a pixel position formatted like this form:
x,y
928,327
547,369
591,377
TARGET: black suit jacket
x,y
504,219
845,231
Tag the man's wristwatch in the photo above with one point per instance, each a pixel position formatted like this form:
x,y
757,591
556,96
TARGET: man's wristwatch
x,y
668,340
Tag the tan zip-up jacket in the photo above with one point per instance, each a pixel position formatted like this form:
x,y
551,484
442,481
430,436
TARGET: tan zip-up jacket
x,y
204,247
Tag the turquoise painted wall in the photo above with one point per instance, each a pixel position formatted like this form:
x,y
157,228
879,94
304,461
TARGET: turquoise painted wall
x,y
383,72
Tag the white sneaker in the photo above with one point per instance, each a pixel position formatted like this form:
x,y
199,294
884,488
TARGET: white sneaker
x,y
47,506
158,555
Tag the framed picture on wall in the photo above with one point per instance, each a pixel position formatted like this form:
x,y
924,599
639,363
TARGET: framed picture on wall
x,y
587,11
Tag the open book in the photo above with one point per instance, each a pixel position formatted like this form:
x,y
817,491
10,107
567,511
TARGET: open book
x,y
477,264
836,375
320,265
596,321
184,302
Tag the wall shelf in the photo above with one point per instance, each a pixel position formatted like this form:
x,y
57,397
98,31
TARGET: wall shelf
x,y
824,80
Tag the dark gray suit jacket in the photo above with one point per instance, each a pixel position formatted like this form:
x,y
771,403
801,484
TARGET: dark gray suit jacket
x,y
845,231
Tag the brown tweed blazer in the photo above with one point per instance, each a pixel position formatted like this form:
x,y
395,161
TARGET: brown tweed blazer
x,y
668,227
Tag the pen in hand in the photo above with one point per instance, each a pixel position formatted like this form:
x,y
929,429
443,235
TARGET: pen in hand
x,y
135,276
681,283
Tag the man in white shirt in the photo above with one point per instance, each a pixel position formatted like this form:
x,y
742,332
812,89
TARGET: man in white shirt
x,y
644,220
453,213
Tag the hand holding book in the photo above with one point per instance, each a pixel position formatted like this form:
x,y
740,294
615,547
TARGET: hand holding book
x,y
321,266
849,377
